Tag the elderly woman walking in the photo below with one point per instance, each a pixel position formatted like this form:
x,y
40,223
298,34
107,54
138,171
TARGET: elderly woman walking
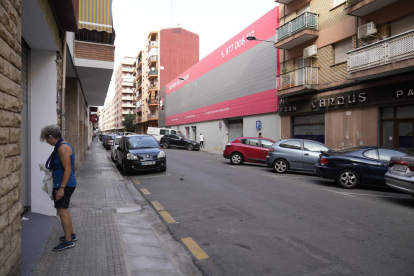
x,y
62,164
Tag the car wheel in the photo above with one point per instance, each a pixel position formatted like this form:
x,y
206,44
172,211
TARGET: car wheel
x,y
190,147
165,145
280,166
347,179
124,169
236,158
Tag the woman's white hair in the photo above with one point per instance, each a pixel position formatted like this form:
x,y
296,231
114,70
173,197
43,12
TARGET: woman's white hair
x,y
53,130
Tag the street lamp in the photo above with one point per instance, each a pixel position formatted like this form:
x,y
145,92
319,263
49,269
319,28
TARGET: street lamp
x,y
187,81
254,38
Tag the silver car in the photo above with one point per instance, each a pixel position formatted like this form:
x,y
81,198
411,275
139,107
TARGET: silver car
x,y
114,146
294,154
400,175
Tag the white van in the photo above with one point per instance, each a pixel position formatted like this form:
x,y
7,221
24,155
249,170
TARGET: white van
x,y
158,132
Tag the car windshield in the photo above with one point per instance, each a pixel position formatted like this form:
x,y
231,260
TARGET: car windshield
x,y
139,142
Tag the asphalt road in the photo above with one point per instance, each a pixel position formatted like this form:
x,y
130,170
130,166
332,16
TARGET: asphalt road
x,y
252,221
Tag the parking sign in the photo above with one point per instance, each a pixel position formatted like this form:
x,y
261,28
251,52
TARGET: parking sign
x,y
258,124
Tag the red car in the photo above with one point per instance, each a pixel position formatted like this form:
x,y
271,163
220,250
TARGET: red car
x,y
247,149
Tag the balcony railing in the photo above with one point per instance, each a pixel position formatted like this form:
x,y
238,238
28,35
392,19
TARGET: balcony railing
x,y
390,50
153,87
152,73
95,36
153,101
306,20
152,44
152,58
351,2
306,75
152,116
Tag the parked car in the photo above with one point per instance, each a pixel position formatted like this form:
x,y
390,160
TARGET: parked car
x,y
352,166
114,146
178,141
140,153
295,154
109,141
400,175
247,149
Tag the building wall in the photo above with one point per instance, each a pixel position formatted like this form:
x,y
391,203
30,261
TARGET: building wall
x,y
179,50
94,51
10,147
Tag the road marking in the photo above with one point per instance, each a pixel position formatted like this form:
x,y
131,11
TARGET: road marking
x,y
157,205
137,181
342,193
354,194
145,191
286,176
195,249
152,176
167,217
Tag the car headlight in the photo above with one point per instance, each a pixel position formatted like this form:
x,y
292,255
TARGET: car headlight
x,y
131,156
161,154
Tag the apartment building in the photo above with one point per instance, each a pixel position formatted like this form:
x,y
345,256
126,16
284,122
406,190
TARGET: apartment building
x,y
123,101
347,71
167,53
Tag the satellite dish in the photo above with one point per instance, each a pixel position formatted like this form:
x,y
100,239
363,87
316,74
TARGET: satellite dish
x,y
152,68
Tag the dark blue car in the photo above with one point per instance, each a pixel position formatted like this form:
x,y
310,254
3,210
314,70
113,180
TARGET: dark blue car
x,y
353,166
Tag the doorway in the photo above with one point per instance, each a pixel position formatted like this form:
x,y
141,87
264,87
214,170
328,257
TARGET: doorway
x,y
235,129
397,127
194,128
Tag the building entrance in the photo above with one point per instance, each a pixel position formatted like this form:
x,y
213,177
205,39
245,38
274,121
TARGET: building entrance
x,y
397,127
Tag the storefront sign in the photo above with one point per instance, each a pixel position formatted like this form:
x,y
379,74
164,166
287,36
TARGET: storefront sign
x,y
389,94
93,118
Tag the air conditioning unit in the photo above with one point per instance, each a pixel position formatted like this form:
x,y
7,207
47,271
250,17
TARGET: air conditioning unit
x,y
366,30
310,51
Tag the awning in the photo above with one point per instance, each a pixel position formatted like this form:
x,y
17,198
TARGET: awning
x,y
95,15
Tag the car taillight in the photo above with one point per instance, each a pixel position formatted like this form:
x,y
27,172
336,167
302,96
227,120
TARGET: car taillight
x,y
324,161
271,149
410,165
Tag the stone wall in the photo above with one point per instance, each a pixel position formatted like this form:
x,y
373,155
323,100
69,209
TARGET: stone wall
x,y
10,148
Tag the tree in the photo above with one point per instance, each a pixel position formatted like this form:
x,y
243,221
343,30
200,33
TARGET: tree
x,y
128,123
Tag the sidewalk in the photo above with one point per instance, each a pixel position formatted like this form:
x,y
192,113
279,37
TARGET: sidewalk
x,y
118,231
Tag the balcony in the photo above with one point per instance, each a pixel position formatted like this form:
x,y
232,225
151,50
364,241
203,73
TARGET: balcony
x,y
139,85
153,87
128,91
127,98
152,59
285,2
364,7
153,102
139,108
127,111
388,57
139,74
152,74
297,31
152,117
300,80
152,44
128,70
127,83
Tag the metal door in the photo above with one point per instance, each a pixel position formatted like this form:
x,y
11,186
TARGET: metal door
x,y
235,129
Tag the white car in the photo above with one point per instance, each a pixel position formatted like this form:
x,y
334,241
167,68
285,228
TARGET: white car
x,y
114,146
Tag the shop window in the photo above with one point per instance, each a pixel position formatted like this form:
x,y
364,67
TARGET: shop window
x,y
310,127
341,49
397,128
388,113
405,112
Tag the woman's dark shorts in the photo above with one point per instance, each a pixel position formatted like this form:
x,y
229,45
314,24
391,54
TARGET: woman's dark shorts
x,y
64,201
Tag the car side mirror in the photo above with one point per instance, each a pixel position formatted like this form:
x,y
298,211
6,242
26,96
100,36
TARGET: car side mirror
x,y
118,148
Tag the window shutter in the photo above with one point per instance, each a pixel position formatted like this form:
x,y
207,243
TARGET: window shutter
x,y
341,48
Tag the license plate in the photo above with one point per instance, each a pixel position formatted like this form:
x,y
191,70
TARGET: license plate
x,y
399,168
148,163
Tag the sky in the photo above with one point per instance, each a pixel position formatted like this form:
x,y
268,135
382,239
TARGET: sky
x,y
215,21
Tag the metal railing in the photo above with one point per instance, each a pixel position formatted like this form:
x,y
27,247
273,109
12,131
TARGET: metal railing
x,y
152,44
152,73
306,20
95,36
306,75
153,101
153,86
152,116
351,2
152,58
390,50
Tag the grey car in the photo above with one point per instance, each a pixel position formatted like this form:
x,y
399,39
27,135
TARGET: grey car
x,y
400,175
295,154
114,146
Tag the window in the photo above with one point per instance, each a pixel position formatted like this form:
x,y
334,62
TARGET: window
x,y
250,142
293,144
373,154
310,146
305,8
173,132
402,25
340,50
163,131
385,154
266,144
337,2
